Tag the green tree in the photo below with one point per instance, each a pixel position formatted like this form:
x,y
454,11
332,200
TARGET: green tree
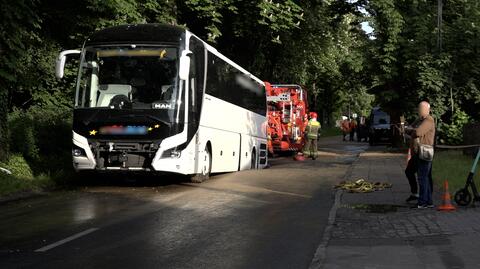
x,y
18,23
410,66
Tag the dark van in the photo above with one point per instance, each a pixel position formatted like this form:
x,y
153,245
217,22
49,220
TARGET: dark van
x,y
379,126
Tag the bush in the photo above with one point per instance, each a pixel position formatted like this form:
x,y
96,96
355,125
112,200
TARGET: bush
x,y
40,142
53,130
18,166
452,133
43,135
22,134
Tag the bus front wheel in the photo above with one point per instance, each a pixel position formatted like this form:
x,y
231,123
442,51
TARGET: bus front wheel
x,y
205,163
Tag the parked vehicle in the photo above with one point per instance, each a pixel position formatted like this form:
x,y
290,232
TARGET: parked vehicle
x,y
287,117
379,126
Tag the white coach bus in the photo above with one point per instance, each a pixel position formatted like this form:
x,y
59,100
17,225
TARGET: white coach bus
x,y
154,97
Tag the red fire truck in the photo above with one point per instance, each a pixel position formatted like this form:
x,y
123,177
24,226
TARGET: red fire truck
x,y
287,117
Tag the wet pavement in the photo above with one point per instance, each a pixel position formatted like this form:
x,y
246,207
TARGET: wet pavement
x,y
271,218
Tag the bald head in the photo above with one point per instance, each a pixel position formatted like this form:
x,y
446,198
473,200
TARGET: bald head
x,y
423,109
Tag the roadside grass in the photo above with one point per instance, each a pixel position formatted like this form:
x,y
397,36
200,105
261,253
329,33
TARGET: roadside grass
x,y
23,180
330,131
11,184
453,166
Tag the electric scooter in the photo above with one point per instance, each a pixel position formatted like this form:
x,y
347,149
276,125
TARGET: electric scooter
x,y
463,197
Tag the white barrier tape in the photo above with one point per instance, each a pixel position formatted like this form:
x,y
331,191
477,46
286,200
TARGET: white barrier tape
x,y
6,171
456,147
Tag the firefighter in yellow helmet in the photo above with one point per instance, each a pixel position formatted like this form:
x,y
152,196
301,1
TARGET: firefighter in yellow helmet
x,y
311,146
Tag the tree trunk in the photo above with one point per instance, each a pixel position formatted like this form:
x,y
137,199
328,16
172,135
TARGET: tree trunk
x,y
3,124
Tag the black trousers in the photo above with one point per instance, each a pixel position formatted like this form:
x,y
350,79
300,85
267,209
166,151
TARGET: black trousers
x,y
411,171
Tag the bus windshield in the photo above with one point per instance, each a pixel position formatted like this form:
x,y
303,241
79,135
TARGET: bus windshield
x,y
128,77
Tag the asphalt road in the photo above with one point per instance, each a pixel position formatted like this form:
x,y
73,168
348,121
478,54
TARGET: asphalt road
x,y
271,218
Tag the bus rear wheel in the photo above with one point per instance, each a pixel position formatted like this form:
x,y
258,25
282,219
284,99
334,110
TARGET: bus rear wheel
x,y
205,164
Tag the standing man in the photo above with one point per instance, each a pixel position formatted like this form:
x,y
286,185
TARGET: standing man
x,y
312,129
345,128
412,165
423,134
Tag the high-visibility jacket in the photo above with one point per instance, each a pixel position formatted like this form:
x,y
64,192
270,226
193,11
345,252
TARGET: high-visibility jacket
x,y
313,127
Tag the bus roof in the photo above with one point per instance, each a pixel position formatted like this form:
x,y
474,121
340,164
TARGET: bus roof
x,y
153,33
232,63
141,33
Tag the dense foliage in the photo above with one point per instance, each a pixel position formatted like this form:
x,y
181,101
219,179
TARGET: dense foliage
x,y
317,43
415,62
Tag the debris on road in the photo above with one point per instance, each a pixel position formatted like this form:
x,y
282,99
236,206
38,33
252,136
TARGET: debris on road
x,y
362,186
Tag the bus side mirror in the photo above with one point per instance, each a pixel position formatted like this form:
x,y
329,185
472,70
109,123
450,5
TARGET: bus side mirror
x,y
184,68
60,63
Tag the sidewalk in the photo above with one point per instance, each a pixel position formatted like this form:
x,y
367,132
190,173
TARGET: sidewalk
x,y
380,230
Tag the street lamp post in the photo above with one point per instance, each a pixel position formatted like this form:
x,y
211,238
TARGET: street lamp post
x,y
439,41
439,25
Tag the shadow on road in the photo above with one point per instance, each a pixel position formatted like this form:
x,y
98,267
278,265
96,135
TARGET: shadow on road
x,y
92,179
333,151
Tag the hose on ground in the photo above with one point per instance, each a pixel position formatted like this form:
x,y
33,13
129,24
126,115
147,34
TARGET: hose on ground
x,y
362,186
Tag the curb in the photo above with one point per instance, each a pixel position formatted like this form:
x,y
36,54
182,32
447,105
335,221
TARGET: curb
x,y
321,252
21,196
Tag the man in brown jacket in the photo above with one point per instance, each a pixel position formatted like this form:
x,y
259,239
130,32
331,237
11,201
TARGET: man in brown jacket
x,y
424,134
412,166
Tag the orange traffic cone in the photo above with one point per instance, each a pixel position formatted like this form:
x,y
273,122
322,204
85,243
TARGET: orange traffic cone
x,y
409,155
446,200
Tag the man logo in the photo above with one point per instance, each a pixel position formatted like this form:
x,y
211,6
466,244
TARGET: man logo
x,y
162,106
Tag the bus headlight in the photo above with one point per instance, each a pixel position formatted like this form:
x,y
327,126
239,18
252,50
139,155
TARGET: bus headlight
x,y
175,154
78,152
171,153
